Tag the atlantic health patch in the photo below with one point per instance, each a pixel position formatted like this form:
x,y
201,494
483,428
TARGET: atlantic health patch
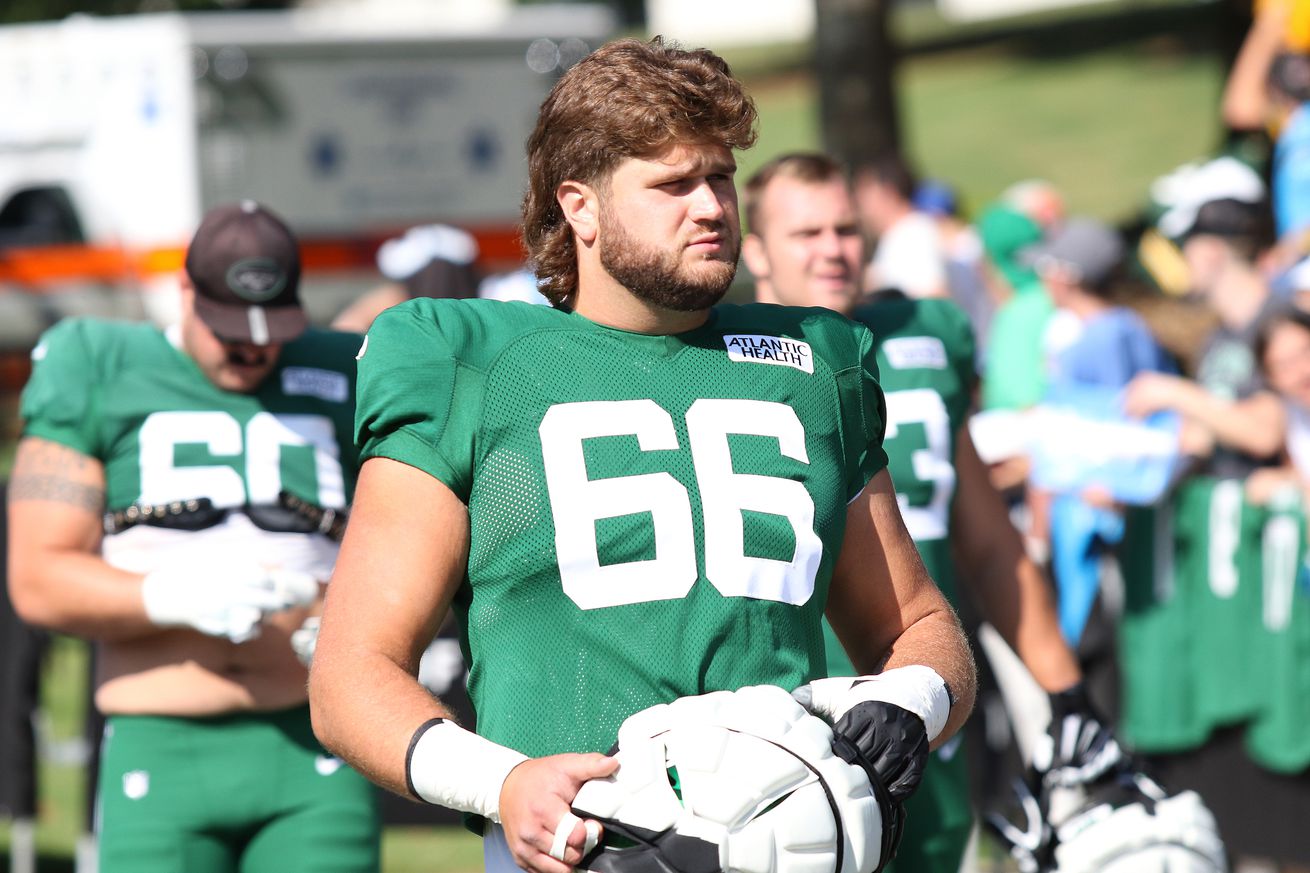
x,y
758,349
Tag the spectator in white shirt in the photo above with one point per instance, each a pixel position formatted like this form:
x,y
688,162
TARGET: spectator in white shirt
x,y
908,255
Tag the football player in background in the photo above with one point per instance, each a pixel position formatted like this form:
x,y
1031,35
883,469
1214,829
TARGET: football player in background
x,y
629,497
177,497
805,249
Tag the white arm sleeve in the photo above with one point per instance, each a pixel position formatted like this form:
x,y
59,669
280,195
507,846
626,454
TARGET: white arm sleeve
x,y
915,688
455,768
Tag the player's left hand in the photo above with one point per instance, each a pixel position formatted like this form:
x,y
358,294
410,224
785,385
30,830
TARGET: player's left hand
x,y
888,742
543,834
1079,747
891,741
223,599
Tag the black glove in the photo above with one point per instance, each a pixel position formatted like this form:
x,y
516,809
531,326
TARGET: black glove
x,y
892,743
1024,831
1079,748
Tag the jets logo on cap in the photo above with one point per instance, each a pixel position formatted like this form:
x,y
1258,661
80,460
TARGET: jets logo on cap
x,y
257,280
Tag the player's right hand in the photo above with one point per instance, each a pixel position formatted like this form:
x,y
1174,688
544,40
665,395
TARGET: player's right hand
x,y
535,802
226,600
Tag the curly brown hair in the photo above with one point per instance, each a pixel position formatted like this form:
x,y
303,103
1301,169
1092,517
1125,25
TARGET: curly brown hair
x,y
627,99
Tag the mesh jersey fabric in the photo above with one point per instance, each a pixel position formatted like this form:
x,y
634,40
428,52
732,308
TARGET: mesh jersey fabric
x,y
1227,531
650,516
121,392
925,354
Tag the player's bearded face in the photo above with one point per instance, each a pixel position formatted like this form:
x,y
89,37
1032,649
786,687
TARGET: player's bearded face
x,y
688,266
232,365
241,366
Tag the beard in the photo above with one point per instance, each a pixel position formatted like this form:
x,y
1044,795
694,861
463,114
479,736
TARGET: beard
x,y
659,276
249,356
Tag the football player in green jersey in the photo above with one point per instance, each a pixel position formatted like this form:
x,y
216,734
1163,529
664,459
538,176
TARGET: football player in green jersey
x,y
177,497
805,249
629,497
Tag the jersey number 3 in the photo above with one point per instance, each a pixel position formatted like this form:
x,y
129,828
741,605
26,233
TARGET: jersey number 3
x,y
578,502
924,474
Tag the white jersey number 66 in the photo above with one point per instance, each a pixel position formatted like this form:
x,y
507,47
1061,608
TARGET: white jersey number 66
x,y
577,502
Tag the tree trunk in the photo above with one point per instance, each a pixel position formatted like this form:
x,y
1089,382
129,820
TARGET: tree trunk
x,y
855,61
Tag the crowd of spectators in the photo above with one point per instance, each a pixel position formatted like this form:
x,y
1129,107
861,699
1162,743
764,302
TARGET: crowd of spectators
x,y
1076,317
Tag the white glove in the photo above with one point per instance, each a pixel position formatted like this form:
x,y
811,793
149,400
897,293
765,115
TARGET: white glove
x,y
305,639
224,601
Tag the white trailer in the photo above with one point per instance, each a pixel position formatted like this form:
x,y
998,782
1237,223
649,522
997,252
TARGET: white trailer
x,y
116,134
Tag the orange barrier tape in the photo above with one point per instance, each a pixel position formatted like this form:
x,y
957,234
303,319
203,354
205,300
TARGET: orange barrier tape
x,y
37,268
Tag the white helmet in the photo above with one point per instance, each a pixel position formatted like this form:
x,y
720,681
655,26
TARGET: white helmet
x,y
732,782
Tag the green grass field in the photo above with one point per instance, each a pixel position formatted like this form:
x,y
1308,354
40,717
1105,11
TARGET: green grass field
x,y
1100,124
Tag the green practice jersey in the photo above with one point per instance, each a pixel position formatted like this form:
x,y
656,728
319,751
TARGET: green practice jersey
x,y
127,395
650,516
925,353
1278,737
1227,530
1216,627
1160,707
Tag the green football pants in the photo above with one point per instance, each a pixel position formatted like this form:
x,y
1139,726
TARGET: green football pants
x,y
247,793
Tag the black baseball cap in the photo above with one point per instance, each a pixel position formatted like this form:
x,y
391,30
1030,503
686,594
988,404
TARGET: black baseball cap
x,y
245,265
1228,217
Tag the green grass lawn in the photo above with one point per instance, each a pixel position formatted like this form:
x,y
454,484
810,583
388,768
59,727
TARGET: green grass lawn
x,y
61,791
431,850
1100,125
